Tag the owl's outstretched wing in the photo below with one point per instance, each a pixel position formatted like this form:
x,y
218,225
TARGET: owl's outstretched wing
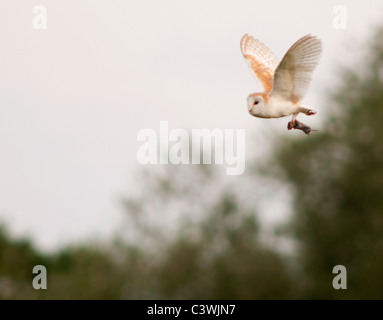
x,y
294,73
261,60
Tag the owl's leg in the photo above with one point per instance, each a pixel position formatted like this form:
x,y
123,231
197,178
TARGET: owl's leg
x,y
291,124
307,111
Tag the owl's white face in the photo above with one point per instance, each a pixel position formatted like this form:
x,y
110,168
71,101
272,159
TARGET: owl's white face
x,y
255,104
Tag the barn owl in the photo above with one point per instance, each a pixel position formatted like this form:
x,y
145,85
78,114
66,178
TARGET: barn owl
x,y
286,83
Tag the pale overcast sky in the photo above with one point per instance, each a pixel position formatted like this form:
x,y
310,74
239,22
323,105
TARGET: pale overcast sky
x,y
74,96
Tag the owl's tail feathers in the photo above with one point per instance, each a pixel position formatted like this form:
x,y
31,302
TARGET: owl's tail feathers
x,y
307,111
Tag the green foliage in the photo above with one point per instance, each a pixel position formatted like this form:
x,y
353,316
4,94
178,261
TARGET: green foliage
x,y
337,177
216,257
81,273
226,262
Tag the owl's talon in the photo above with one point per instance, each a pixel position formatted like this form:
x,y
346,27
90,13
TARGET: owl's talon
x,y
289,125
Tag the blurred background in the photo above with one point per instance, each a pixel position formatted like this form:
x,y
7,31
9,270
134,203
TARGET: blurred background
x,y
74,198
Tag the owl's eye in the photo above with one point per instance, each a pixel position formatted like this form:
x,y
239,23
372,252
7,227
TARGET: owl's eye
x,y
256,102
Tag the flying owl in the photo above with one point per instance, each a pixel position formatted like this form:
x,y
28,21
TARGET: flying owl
x,y
285,84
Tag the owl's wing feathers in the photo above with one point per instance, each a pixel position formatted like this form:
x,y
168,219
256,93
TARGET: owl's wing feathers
x,y
293,74
261,60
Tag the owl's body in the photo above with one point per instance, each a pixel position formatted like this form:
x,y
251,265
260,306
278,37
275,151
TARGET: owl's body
x,y
286,83
272,107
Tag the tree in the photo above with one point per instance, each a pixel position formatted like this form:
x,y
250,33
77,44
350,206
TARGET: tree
x,y
85,272
337,178
210,249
